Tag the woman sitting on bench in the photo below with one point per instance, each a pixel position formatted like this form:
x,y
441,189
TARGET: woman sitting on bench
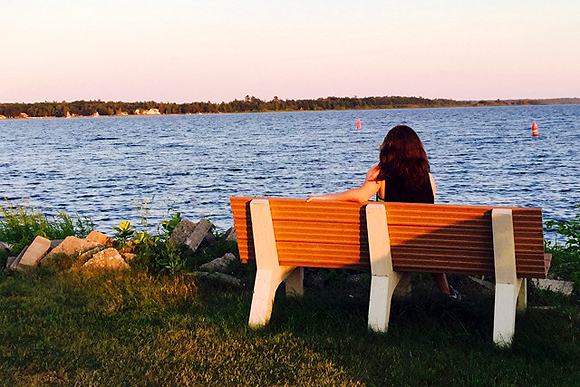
x,y
402,175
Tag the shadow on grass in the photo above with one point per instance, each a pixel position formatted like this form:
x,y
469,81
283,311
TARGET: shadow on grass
x,y
134,329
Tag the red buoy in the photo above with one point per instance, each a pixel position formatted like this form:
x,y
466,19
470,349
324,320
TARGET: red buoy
x,y
534,129
358,123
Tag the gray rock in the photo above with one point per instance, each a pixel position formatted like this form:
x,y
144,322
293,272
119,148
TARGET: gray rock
x,y
9,262
208,239
230,235
181,232
564,287
55,243
15,263
221,277
201,229
219,264
5,246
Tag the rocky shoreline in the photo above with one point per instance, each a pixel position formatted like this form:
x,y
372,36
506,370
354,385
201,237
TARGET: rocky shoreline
x,y
98,251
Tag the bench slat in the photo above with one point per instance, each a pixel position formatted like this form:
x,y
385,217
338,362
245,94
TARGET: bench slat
x,y
424,237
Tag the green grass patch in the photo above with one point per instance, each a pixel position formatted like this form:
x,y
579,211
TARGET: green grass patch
x,y
20,224
132,328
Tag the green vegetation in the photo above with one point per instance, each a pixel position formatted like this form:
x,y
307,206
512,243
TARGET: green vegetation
x,y
153,327
566,256
249,104
20,224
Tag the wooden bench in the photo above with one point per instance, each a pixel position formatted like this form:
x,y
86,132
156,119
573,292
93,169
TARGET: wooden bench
x,y
390,239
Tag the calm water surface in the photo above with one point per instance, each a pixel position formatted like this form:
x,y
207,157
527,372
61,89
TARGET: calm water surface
x,y
102,167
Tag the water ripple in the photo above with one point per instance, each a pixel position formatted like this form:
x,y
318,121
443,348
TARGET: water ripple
x,y
103,167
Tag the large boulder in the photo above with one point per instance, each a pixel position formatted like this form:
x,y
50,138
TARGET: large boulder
x,y
72,246
34,253
100,238
181,232
189,235
106,259
87,255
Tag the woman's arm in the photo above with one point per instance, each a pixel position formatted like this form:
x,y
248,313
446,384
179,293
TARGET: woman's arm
x,y
360,194
433,185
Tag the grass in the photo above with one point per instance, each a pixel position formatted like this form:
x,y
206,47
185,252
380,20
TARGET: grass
x,y
134,329
60,328
20,224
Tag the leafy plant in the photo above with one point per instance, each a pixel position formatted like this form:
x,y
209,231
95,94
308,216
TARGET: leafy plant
x,y
570,229
169,225
20,224
566,258
157,256
124,232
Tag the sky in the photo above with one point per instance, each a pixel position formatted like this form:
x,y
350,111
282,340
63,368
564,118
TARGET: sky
x,y
220,50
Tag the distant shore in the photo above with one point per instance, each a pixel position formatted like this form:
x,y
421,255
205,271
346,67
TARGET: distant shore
x,y
92,109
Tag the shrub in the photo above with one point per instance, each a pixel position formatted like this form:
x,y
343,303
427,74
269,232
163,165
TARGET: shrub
x,y
566,257
20,224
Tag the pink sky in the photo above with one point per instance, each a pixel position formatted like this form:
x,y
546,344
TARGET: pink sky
x,y
220,50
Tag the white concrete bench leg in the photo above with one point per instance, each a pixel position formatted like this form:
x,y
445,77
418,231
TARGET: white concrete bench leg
x,y
269,273
267,282
384,280
510,291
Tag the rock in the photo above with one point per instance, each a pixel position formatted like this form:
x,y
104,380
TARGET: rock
x,y
5,246
86,256
72,246
564,287
189,235
106,259
181,232
100,238
9,262
219,264
195,238
221,277
34,253
230,235
55,243
15,262
208,239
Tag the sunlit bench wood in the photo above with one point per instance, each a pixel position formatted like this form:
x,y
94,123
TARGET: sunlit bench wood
x,y
285,235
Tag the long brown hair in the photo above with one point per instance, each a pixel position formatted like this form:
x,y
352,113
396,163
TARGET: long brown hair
x,y
403,156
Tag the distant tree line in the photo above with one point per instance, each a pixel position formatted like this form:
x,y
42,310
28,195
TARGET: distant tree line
x,y
248,104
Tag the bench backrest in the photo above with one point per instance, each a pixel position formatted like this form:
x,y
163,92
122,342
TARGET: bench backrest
x,y
424,237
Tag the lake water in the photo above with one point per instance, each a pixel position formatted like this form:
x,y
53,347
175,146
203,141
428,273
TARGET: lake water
x,y
103,167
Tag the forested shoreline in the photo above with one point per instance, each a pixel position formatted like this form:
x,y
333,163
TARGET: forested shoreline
x,y
248,104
